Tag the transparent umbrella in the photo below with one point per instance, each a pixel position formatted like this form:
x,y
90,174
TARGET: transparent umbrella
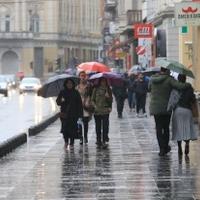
x,y
174,66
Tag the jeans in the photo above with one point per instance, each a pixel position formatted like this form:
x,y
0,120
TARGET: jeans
x,y
131,99
140,102
162,130
102,127
120,104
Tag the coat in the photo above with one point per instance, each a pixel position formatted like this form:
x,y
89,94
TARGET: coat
x,y
141,87
160,87
71,105
120,91
102,104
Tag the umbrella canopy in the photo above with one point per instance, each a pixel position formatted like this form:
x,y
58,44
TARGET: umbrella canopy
x,y
174,66
135,69
113,78
151,70
71,71
54,85
93,67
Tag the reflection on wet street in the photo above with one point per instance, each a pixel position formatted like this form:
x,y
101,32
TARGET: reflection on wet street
x,y
129,168
19,112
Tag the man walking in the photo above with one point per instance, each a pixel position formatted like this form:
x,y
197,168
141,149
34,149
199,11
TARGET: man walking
x,y
160,87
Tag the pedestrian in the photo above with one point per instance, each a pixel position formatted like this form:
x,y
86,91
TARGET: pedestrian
x,y
71,110
141,89
160,87
85,91
120,93
131,92
182,120
102,100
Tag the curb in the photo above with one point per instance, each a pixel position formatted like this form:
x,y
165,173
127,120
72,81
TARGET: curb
x,y
14,142
34,130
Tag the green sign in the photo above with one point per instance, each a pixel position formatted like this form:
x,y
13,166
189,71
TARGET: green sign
x,y
184,29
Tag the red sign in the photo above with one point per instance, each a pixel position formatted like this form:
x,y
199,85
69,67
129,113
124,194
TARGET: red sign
x,y
140,50
196,0
189,10
143,30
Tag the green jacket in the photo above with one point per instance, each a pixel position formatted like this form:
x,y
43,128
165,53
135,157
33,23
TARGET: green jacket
x,y
160,87
102,104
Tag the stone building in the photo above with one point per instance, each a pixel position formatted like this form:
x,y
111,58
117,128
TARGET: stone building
x,y
35,34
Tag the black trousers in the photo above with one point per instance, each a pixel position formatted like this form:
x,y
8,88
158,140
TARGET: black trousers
x,y
120,104
162,130
85,126
102,127
140,102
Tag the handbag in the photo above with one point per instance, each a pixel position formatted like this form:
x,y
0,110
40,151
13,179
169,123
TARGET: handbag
x,y
79,131
173,100
195,109
88,106
62,115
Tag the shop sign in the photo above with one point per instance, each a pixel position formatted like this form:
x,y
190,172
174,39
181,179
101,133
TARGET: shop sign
x,y
140,50
143,30
187,13
144,51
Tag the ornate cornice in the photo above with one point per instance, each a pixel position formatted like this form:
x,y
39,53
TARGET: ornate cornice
x,y
164,14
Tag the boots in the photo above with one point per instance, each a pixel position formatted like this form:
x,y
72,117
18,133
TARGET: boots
x,y
180,152
187,149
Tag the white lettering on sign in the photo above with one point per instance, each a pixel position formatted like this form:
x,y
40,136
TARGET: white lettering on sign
x,y
143,31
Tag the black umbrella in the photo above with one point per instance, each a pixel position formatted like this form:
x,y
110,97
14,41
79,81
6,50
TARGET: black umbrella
x,y
54,85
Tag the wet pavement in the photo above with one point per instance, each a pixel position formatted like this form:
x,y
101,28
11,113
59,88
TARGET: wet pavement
x,y
17,115
129,168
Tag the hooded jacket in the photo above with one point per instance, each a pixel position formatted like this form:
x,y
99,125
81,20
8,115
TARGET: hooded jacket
x,y
160,87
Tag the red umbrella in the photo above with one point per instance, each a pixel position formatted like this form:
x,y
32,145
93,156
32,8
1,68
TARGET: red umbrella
x,y
93,67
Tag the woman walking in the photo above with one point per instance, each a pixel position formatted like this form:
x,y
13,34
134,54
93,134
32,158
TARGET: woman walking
x,y
71,109
131,92
85,91
182,120
102,100
141,89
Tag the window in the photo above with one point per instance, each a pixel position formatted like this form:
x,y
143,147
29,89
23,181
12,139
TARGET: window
x,y
35,23
7,23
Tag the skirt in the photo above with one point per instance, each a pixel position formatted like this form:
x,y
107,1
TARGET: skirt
x,y
183,125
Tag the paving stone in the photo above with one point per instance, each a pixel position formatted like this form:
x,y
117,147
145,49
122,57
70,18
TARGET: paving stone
x,y
128,169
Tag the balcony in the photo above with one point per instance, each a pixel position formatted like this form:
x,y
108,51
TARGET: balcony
x,y
16,35
110,4
134,16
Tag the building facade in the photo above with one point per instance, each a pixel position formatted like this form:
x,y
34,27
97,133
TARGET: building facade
x,y
177,44
120,16
34,34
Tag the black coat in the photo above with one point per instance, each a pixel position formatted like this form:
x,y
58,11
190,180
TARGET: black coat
x,y
141,87
71,104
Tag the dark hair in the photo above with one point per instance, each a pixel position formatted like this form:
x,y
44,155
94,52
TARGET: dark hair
x,y
98,83
69,79
182,78
82,72
164,70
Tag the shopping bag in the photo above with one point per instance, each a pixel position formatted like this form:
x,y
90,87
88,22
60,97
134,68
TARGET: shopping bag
x,y
79,131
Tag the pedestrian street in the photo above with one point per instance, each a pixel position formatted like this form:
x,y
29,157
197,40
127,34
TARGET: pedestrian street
x,y
128,169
